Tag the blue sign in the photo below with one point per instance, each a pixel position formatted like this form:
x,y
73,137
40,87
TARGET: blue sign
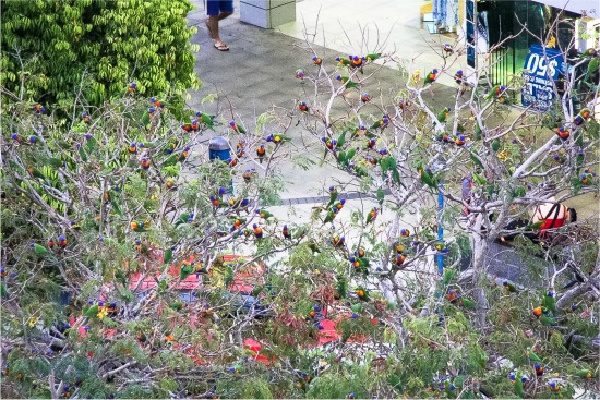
x,y
542,67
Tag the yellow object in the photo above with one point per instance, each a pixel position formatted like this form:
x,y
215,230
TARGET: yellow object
x,y
32,321
102,313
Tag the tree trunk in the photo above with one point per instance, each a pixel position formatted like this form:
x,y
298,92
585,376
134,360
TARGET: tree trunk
x,y
479,247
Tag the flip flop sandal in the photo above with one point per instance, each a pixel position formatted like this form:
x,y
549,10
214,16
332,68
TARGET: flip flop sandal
x,y
210,33
222,47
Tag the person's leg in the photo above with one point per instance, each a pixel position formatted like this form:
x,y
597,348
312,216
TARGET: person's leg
x,y
225,8
219,10
212,10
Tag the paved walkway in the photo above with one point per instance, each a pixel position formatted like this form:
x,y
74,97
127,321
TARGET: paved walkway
x,y
258,72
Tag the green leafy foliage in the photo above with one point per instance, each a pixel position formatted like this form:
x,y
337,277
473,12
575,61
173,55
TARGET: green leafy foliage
x,y
100,46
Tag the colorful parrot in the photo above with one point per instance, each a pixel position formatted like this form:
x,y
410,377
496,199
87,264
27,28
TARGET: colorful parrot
x,y
400,259
133,148
497,92
17,138
145,163
132,86
286,233
443,115
382,123
331,214
39,109
519,389
363,294
151,112
207,120
539,370
300,74
356,61
452,296
586,177
372,215
447,48
302,106
555,387
340,204
339,241
62,242
277,138
365,97
372,56
138,245
459,77
509,286
589,53
344,80
237,128
317,60
258,232
260,152
342,60
584,373
431,77
460,140
548,301
533,357
562,132
263,213
332,196
463,301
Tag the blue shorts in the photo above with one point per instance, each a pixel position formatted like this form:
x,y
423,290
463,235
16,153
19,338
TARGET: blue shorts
x,y
214,7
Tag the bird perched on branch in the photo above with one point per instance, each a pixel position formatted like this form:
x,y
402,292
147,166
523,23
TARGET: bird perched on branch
x,y
431,77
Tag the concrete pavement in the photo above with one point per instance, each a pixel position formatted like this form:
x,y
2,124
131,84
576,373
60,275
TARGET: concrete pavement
x,y
258,74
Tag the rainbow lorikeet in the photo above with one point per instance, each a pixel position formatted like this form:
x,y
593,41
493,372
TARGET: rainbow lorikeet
x,y
372,56
35,173
342,60
260,152
443,115
331,214
363,294
207,120
236,127
277,138
332,196
463,301
344,80
39,249
589,53
340,204
263,213
317,60
286,233
342,287
382,123
533,357
519,388
431,77
496,92
372,215
356,62
584,373
186,270
302,106
339,241
509,286
549,301
562,132
258,232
